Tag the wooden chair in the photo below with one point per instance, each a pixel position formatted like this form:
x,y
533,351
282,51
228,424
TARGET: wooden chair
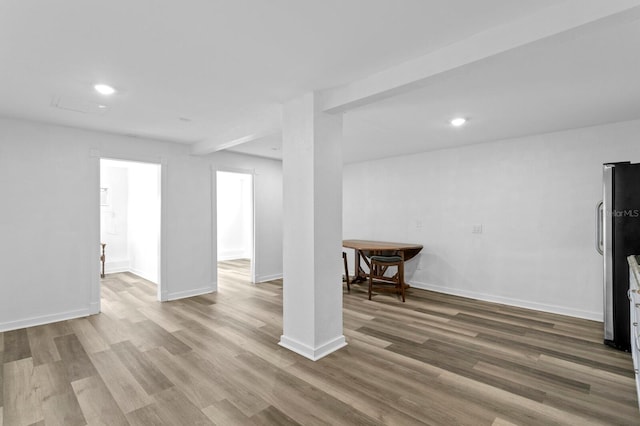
x,y
346,271
379,264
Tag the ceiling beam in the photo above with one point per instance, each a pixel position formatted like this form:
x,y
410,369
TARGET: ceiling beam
x,y
257,125
208,147
554,20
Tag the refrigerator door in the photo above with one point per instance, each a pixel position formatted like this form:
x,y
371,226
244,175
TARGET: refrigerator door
x,y
621,238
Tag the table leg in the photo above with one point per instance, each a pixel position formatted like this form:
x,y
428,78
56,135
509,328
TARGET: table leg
x,y
360,274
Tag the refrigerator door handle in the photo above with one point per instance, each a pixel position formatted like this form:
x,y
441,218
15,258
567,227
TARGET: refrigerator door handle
x,y
599,236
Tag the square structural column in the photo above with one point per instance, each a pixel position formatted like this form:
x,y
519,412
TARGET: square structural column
x,y
312,220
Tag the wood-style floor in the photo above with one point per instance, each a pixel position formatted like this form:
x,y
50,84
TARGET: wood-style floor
x,y
214,359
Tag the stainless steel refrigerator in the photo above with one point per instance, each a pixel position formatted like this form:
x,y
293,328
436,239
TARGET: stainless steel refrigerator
x,y
618,236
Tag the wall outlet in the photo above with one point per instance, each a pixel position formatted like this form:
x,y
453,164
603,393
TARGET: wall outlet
x,y
477,229
418,224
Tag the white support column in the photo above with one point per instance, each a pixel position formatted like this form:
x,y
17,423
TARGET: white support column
x,y
312,173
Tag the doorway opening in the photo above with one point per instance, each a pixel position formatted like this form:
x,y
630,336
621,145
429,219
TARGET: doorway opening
x,y
235,223
130,217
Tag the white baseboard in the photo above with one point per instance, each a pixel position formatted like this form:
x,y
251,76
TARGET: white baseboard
x,y
554,309
265,278
190,293
47,319
143,274
116,266
232,255
313,354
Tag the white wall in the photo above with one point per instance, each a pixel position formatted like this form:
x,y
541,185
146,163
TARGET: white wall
x,y
130,223
534,197
267,183
235,215
49,220
144,219
114,216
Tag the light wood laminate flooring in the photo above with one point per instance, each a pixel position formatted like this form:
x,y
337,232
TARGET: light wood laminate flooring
x,y
214,359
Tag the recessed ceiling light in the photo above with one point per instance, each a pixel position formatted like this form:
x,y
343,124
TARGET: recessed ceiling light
x,y
104,89
459,121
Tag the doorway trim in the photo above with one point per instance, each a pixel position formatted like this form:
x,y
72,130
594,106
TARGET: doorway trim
x,y
94,244
214,198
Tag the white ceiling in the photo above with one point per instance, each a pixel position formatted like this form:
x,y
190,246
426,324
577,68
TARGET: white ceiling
x,y
585,79
187,71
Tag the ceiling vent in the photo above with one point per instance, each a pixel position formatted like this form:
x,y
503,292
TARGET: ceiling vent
x,y
78,105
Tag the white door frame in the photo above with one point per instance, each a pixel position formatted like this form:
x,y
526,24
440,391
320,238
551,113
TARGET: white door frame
x,y
94,245
214,170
